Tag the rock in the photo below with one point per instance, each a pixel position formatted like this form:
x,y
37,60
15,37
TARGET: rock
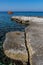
x,y
26,20
34,36
20,19
14,46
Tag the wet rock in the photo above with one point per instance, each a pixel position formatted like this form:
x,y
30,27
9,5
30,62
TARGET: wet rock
x,y
20,19
34,36
14,46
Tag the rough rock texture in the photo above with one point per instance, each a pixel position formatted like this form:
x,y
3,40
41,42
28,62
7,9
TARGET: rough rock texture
x,y
17,47
34,36
20,19
14,46
26,20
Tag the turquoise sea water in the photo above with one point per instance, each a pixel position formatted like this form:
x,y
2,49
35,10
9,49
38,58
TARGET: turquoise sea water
x,y
6,25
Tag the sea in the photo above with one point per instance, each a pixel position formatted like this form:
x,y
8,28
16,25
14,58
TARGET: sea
x,y
7,25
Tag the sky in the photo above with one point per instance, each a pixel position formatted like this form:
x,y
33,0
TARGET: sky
x,y
21,5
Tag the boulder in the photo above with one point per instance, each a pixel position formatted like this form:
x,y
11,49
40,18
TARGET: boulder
x,y
20,19
34,37
14,46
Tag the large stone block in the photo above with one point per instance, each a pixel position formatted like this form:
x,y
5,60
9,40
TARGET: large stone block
x,y
14,46
34,36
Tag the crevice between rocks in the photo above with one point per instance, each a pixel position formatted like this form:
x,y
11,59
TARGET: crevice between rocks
x,y
28,63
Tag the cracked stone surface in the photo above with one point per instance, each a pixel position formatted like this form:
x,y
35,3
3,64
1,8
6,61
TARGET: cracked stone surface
x,y
14,46
34,36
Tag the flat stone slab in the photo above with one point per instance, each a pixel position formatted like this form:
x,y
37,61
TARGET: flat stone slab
x,y
34,36
14,46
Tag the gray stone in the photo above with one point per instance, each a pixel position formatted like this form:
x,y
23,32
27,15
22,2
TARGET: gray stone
x,y
34,36
14,46
21,19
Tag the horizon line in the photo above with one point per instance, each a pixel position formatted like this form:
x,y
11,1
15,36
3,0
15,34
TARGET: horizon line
x,y
21,11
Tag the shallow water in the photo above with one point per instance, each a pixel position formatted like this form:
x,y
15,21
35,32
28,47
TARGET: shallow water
x,y
6,25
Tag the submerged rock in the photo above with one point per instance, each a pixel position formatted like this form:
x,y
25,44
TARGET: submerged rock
x,y
34,36
14,46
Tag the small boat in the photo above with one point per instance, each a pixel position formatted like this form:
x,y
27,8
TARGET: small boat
x,y
10,12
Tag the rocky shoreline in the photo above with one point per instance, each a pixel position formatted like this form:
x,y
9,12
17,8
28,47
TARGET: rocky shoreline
x,y
26,46
26,19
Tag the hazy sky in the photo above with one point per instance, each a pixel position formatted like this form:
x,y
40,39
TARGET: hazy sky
x,y
21,5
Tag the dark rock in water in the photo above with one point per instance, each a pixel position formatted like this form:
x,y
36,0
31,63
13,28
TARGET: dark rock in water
x,y
14,46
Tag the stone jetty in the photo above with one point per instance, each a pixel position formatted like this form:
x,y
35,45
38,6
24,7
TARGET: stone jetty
x,y
26,46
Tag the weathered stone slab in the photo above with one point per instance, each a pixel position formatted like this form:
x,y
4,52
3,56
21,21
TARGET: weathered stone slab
x,y
21,19
14,46
34,36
